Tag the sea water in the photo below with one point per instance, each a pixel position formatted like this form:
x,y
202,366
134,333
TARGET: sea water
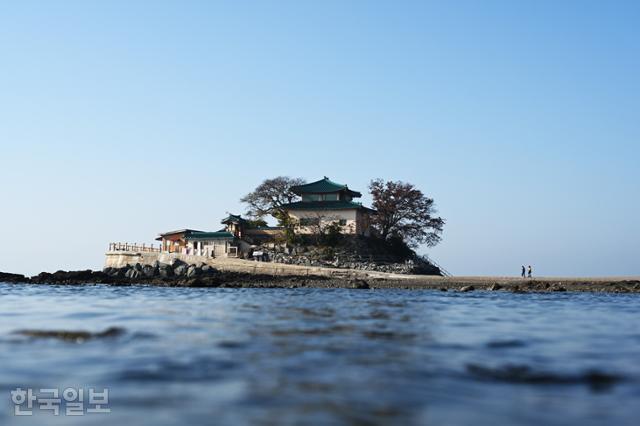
x,y
325,356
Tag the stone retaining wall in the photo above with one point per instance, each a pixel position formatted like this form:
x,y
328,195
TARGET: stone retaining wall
x,y
122,259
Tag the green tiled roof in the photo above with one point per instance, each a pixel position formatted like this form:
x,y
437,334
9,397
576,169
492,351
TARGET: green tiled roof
x,y
323,186
209,235
325,205
179,231
233,218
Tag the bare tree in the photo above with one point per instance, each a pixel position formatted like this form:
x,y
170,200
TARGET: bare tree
x,y
405,212
269,198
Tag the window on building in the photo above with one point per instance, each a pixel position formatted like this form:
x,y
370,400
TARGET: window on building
x,y
309,221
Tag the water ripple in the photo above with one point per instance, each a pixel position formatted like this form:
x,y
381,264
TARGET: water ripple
x,y
329,356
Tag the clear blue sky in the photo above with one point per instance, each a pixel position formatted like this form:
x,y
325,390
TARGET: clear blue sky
x,y
120,119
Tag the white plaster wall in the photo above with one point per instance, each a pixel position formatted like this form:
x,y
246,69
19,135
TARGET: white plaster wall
x,y
326,218
219,246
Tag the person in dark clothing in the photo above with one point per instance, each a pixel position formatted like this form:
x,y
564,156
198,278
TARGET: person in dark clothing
x,y
530,271
523,270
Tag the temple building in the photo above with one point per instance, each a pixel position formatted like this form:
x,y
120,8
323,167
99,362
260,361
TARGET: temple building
x,y
322,203
325,202
244,229
237,234
212,244
235,224
199,243
175,241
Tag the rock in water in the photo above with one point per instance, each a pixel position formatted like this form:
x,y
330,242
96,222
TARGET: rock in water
x,y
72,336
467,288
359,284
12,278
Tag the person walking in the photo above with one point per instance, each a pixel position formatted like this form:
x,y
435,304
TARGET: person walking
x,y
530,271
523,271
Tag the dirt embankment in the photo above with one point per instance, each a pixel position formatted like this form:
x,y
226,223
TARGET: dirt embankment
x,y
215,278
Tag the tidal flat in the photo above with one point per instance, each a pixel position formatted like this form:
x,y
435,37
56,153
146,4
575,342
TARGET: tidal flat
x,y
213,278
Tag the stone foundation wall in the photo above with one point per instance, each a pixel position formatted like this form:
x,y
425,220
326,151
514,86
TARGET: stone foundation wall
x,y
122,259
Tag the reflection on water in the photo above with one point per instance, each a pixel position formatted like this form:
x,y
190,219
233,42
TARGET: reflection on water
x,y
318,356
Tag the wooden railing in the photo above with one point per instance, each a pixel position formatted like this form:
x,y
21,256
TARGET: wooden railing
x,y
133,247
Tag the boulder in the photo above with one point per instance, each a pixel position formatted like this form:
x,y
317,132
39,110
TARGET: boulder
x,y
181,269
133,274
149,271
467,288
6,277
193,271
85,275
98,276
165,271
177,263
42,277
119,272
59,275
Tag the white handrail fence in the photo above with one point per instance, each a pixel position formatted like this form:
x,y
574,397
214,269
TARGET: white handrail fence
x,y
133,247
